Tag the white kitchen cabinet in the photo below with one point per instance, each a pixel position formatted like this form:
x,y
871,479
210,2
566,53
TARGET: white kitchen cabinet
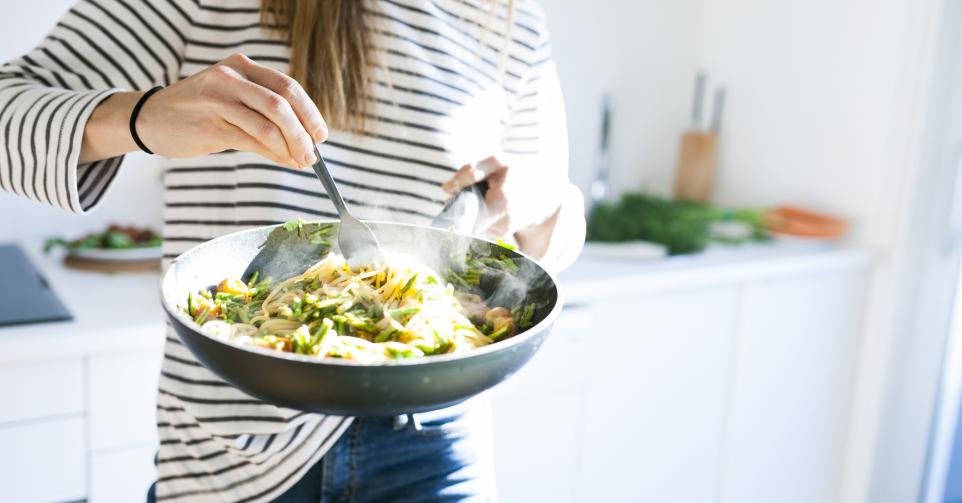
x,y
536,447
656,399
122,475
123,399
539,415
552,369
791,387
41,389
701,385
43,461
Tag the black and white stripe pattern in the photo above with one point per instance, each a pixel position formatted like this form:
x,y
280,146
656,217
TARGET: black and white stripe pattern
x,y
445,96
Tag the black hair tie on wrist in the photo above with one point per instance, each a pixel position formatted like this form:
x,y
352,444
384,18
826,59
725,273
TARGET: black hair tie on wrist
x,y
133,118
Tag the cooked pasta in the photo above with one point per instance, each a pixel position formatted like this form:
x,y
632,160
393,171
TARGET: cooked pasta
x,y
372,314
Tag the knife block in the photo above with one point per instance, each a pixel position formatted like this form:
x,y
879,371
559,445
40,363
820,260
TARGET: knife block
x,y
695,174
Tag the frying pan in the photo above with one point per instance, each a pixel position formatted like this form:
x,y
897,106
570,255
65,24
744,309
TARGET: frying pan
x,y
345,387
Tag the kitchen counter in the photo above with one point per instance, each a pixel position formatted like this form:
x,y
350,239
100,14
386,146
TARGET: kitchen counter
x,y
593,277
719,339
111,312
121,312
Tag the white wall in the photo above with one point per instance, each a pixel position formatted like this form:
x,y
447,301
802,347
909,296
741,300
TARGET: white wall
x,y
642,52
135,198
825,110
812,94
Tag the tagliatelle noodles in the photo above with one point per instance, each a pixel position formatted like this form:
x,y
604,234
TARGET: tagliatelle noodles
x,y
372,314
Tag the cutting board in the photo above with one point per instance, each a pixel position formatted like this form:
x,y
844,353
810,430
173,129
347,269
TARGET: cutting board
x,y
111,266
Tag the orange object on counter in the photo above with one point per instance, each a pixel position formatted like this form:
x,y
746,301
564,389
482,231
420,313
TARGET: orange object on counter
x,y
792,221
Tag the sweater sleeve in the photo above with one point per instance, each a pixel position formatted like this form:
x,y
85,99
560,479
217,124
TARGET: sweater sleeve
x,y
536,137
46,96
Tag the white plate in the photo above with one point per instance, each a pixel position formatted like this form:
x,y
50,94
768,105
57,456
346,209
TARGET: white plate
x,y
626,250
119,255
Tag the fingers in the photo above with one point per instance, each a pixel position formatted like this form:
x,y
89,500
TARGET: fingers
x,y
274,106
239,139
276,109
495,219
287,88
268,135
469,175
466,176
514,200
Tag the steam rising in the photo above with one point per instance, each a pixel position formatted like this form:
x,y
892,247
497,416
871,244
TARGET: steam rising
x,y
451,253
289,250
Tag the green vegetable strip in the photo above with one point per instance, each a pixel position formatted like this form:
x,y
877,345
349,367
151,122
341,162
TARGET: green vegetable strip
x,y
409,284
386,335
497,334
525,316
404,311
325,327
301,340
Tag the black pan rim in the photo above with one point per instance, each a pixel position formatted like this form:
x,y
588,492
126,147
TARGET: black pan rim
x,y
174,313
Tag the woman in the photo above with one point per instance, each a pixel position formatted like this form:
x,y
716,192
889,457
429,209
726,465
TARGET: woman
x,y
413,100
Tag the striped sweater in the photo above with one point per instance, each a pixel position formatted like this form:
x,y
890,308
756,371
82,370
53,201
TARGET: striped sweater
x,y
452,90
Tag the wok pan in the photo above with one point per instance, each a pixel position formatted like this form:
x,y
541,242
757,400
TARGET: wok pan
x,y
345,387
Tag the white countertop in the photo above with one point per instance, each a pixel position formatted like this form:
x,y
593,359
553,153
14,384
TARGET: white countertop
x,y
592,278
121,312
111,312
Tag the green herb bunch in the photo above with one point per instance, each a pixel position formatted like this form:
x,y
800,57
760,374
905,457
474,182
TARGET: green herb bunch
x,y
682,226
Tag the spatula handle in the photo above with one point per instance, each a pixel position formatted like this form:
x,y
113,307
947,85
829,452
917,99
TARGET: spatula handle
x,y
461,212
320,167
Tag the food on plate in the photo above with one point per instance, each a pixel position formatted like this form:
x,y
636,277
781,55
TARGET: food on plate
x,y
376,313
116,237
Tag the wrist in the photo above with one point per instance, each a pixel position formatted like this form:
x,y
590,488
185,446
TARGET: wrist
x,y
535,239
107,132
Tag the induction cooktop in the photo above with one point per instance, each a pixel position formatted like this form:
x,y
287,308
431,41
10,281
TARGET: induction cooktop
x,y
25,296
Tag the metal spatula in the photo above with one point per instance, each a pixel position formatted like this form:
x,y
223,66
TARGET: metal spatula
x,y
355,239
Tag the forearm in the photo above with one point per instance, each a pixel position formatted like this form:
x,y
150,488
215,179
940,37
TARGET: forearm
x,y
107,133
534,240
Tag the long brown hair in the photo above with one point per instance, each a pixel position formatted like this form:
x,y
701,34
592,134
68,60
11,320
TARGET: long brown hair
x,y
331,52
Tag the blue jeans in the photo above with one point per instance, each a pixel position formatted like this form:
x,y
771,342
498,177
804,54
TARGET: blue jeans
x,y
442,455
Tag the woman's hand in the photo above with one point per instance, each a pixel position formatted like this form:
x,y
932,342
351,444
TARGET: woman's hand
x,y
235,104
519,203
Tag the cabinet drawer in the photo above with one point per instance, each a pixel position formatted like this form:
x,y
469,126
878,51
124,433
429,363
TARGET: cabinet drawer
x,y
41,389
123,398
43,461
